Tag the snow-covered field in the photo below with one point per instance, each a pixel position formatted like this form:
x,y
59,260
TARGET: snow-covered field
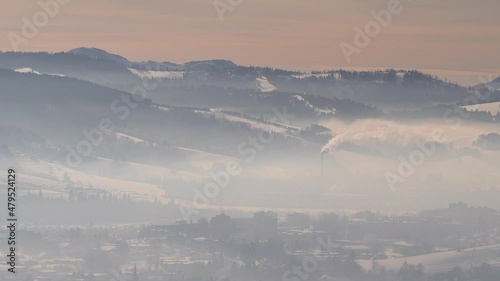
x,y
493,107
318,110
162,108
51,177
264,85
127,137
445,261
32,71
157,74
205,160
241,119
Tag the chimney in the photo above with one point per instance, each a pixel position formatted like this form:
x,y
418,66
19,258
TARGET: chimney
x,y
322,163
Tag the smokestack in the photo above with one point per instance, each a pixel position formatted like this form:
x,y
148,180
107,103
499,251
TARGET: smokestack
x,y
322,163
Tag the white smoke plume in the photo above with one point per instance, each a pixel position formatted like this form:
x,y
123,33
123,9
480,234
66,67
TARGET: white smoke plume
x,y
333,144
373,133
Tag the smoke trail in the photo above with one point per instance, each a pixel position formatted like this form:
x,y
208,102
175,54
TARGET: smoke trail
x,y
333,144
371,134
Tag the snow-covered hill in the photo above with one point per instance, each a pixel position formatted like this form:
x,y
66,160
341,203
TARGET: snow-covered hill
x,y
99,54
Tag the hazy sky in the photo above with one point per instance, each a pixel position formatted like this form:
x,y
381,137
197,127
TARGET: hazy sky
x,y
459,35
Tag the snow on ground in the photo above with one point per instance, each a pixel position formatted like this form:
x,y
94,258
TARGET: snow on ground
x,y
138,190
241,119
51,177
148,171
30,70
162,108
324,111
319,111
127,137
493,107
400,74
444,261
308,75
27,70
255,124
264,86
206,160
157,74
299,98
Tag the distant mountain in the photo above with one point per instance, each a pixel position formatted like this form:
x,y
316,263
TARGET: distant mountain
x,y
60,100
213,83
70,105
210,65
494,85
153,65
99,54
199,115
100,71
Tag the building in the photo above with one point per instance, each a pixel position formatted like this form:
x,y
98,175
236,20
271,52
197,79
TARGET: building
x,y
221,227
298,220
265,225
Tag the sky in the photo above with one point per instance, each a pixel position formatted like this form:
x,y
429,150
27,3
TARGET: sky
x,y
457,39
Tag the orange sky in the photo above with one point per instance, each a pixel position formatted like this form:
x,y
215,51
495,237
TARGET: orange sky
x,y
458,35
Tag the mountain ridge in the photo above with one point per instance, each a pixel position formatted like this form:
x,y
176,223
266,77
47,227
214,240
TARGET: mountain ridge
x,y
96,53
212,83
